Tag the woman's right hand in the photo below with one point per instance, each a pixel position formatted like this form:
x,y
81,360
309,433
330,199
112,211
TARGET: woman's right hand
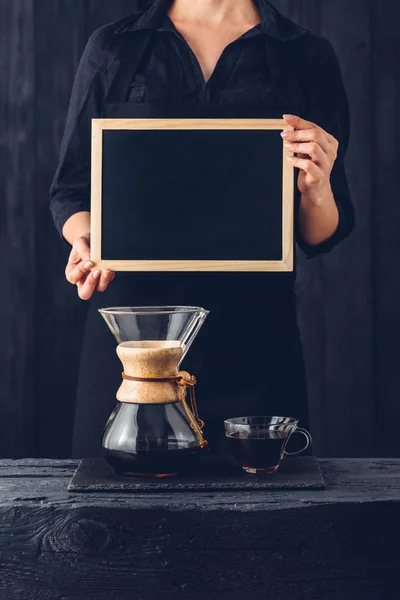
x,y
79,273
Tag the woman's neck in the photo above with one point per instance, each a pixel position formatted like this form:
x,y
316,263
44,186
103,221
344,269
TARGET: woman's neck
x,y
214,12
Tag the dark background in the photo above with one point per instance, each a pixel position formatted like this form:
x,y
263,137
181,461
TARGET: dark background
x,y
349,305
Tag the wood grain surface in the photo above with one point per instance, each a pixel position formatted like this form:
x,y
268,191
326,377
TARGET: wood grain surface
x,y
338,543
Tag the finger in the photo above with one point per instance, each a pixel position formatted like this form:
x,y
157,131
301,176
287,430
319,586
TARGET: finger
x,y
311,149
112,277
308,166
88,287
298,122
104,280
76,273
81,246
308,135
332,140
73,259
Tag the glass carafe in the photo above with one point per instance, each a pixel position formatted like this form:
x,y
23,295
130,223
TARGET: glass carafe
x,y
152,431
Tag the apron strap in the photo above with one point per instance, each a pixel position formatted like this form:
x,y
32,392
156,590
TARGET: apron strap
x,y
131,52
284,79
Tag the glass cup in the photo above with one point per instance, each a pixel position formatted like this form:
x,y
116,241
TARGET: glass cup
x,y
259,443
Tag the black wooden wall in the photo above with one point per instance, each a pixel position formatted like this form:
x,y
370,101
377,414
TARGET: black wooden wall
x,y
349,301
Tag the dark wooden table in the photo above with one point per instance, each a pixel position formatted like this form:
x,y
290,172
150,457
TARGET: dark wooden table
x,y
337,544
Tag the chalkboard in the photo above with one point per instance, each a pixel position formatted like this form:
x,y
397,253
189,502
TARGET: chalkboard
x,y
191,195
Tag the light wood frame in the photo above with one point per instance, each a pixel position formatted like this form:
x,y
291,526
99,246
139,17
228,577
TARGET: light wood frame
x,y
100,125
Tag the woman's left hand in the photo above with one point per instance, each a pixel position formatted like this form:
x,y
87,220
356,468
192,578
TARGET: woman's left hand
x,y
317,153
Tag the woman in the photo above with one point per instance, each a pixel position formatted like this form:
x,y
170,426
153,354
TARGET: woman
x,y
215,58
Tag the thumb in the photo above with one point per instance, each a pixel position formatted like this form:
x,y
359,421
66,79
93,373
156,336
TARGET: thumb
x,y
82,247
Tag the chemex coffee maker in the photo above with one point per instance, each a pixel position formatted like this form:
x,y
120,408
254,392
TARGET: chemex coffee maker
x,y
153,431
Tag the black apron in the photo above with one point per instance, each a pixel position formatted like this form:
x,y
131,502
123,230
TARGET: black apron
x,y
247,358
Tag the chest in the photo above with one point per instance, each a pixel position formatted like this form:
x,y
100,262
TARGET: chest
x,y
181,68
208,45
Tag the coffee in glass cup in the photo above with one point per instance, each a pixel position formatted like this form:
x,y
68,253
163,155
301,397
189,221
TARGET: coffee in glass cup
x,y
259,443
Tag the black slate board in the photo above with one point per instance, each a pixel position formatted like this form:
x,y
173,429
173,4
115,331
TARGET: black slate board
x,y
211,474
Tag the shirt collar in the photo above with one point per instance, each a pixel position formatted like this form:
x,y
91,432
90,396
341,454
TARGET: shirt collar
x,y
272,22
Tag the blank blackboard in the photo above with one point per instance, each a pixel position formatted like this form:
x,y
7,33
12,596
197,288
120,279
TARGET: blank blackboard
x,y
186,194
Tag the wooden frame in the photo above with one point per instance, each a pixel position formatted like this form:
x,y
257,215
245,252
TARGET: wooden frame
x,y
100,125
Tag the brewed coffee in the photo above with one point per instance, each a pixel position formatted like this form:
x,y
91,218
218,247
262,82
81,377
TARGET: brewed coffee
x,y
156,463
258,453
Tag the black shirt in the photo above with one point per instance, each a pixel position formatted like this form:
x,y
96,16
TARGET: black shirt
x,y
170,72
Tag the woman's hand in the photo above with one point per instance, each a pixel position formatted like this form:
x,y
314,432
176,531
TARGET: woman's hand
x,y
317,153
78,270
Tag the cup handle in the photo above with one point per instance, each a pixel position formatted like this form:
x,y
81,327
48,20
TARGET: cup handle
x,y
308,437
